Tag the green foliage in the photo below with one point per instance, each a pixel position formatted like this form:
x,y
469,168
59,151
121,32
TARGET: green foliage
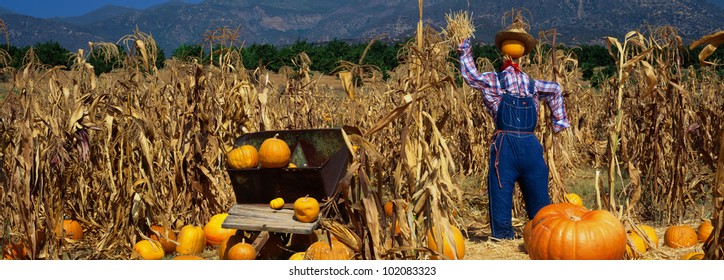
x,y
160,58
16,55
51,53
489,52
188,53
103,64
593,56
595,62
259,56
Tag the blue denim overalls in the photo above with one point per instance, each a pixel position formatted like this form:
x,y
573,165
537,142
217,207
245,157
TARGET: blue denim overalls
x,y
516,155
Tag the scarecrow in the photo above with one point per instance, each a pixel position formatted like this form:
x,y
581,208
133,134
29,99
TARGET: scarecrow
x,y
513,100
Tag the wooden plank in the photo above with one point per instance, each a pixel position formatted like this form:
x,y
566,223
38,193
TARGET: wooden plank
x,y
263,218
247,223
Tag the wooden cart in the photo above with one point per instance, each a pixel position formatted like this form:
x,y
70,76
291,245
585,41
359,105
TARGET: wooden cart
x,y
322,156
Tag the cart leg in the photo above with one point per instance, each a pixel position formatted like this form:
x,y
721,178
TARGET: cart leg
x,y
260,240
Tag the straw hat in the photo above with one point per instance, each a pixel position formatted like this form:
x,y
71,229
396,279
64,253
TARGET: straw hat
x,y
515,34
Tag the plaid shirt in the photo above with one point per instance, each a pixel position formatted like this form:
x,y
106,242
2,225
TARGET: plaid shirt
x,y
488,84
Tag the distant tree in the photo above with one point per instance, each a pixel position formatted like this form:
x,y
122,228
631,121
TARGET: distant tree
x,y
265,55
51,53
16,55
105,63
383,56
160,58
188,53
593,55
287,53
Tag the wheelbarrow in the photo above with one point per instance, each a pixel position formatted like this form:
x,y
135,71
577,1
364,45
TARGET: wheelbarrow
x,y
321,156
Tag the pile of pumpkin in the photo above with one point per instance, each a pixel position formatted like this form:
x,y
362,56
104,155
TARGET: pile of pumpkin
x,y
569,231
231,243
273,153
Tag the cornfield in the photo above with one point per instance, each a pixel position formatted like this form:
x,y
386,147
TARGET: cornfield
x,y
142,146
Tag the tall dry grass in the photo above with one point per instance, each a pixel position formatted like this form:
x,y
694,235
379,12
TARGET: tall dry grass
x,y
147,146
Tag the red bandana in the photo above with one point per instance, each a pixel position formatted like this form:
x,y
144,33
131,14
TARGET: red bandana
x,y
510,63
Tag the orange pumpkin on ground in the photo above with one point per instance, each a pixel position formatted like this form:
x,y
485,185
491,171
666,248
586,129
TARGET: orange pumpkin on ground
x,y
638,243
191,239
214,232
166,237
680,236
447,250
573,198
704,230
149,250
306,209
565,231
70,229
274,153
324,250
235,248
651,233
245,156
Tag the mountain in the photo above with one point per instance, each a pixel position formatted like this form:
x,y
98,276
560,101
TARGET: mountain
x,y
105,12
281,22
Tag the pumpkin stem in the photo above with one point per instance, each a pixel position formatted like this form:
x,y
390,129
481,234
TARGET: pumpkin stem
x,y
575,218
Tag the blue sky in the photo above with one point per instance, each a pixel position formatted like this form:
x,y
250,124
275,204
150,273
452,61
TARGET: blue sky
x,y
69,8
66,8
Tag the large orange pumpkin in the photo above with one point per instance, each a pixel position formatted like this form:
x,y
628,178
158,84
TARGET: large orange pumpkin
x,y
274,152
324,250
306,209
70,229
565,231
704,230
447,250
526,235
214,232
167,237
149,250
191,240
235,248
245,156
680,236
